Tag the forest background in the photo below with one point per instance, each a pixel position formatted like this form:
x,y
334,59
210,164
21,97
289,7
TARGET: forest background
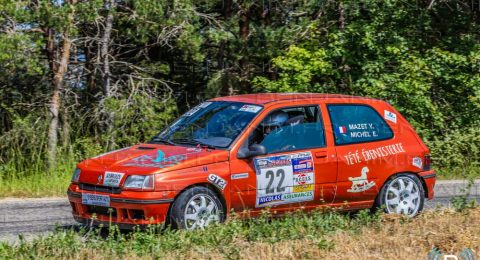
x,y
78,78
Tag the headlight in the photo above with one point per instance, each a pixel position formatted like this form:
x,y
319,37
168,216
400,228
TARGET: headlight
x,y
76,175
143,182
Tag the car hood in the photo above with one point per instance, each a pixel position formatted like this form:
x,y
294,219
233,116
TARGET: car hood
x,y
152,158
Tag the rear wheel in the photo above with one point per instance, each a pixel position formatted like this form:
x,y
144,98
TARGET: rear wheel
x,y
402,194
196,208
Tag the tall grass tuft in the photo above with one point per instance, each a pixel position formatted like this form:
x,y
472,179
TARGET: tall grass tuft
x,y
23,167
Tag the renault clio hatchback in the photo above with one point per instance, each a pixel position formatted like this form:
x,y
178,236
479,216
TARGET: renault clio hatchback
x,y
250,152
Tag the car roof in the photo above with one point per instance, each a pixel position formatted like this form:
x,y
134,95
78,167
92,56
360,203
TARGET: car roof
x,y
264,98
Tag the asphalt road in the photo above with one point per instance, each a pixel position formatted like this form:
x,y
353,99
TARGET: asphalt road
x,y
32,217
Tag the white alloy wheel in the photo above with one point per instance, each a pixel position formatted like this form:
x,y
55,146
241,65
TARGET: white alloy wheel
x,y
403,196
200,211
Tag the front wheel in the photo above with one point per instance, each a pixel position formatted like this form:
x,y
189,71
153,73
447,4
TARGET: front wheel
x,y
402,194
196,208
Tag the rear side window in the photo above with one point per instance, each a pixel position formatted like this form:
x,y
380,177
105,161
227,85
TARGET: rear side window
x,y
357,124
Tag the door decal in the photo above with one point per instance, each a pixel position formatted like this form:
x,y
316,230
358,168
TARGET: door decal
x,y
283,179
361,183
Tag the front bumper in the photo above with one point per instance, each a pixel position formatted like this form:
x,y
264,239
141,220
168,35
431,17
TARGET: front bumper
x,y
429,178
126,210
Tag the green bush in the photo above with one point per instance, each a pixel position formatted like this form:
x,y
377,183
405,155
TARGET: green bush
x,y
457,153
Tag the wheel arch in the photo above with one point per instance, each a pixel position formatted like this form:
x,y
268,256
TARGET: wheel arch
x,y
422,181
207,185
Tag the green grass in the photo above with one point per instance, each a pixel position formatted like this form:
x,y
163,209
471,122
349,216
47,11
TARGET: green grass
x,y
317,235
315,227
22,179
37,185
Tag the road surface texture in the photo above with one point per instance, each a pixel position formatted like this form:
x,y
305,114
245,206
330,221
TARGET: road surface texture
x,y
32,217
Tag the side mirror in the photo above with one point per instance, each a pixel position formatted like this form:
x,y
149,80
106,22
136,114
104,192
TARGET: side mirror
x,y
253,150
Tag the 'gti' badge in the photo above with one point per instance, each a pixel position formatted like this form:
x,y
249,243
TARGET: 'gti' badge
x,y
99,179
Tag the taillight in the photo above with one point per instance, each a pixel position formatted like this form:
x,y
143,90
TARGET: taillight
x,y
427,161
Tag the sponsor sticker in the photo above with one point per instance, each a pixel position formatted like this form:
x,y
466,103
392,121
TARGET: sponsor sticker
x,y
237,176
193,150
304,188
250,108
302,165
193,111
271,199
390,116
217,181
303,178
112,179
205,104
283,179
417,162
299,196
197,108
173,126
364,155
361,183
276,161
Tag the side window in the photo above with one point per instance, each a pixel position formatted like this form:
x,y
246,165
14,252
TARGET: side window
x,y
357,124
288,129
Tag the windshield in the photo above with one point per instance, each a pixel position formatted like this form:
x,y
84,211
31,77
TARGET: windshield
x,y
214,124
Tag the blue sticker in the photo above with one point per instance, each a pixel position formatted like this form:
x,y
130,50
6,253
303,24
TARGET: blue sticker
x,y
269,199
160,161
160,156
302,164
274,161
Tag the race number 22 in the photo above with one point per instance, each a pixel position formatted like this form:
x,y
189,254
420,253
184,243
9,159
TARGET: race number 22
x,y
280,173
275,180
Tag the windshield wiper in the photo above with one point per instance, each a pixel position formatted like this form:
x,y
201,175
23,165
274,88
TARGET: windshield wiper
x,y
193,142
162,140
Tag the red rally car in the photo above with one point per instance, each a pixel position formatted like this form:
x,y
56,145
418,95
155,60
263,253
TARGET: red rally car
x,y
244,153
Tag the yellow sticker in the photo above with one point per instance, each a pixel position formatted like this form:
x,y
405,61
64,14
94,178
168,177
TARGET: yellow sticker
x,y
303,188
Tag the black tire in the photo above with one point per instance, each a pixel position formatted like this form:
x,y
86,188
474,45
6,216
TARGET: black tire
x,y
404,200
178,210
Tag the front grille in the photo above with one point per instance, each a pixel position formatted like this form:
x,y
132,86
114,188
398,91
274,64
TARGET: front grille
x,y
99,210
137,214
99,188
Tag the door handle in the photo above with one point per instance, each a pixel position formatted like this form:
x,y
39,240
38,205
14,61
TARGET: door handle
x,y
321,154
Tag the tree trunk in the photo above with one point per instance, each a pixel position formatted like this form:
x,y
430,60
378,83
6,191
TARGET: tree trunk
x,y
55,100
227,9
90,75
244,30
106,77
341,17
344,68
59,67
105,44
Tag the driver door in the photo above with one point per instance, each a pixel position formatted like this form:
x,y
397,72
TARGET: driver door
x,y
299,170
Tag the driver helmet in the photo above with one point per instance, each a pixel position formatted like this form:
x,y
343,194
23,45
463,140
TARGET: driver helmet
x,y
276,119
